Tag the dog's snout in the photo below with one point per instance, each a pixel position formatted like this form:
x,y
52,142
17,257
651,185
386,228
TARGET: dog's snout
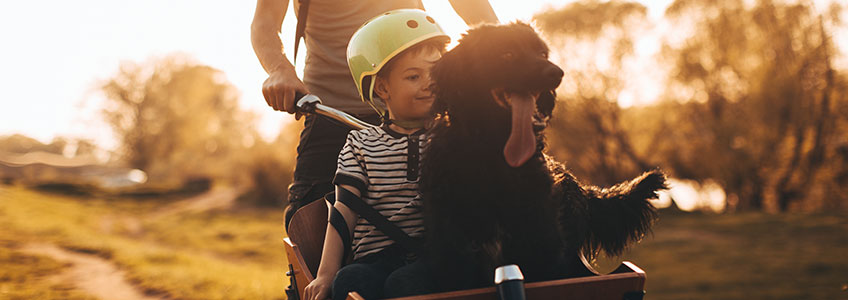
x,y
553,72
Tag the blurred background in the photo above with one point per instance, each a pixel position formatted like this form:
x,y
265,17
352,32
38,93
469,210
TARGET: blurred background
x,y
134,137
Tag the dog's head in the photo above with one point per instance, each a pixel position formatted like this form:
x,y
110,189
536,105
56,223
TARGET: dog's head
x,y
509,58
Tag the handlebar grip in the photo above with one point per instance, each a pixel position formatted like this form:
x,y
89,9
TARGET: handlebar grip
x,y
510,283
297,96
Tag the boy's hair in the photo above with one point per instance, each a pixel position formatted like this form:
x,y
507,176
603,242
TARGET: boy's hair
x,y
433,44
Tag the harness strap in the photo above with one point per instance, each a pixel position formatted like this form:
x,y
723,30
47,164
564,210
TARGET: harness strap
x,y
338,222
300,29
378,220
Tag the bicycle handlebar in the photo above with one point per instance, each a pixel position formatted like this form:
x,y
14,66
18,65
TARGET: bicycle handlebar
x,y
311,104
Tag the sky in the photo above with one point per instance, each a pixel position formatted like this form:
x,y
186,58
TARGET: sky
x,y
55,52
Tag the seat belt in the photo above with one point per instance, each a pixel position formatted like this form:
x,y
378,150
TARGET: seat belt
x,y
300,29
372,216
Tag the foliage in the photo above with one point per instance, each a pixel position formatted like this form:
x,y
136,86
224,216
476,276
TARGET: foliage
x,y
764,119
180,121
587,131
21,144
271,166
176,119
752,99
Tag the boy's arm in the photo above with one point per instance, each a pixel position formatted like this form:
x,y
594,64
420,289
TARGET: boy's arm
x,y
282,80
474,12
331,255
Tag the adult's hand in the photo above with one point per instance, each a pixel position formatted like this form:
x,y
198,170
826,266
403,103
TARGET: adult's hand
x,y
280,87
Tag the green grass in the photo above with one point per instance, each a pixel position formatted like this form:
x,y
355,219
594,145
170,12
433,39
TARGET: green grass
x,y
746,256
213,255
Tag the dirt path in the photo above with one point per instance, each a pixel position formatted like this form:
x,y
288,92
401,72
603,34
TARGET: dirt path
x,y
94,275
101,278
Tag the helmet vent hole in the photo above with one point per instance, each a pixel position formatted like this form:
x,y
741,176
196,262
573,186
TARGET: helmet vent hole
x,y
429,19
412,24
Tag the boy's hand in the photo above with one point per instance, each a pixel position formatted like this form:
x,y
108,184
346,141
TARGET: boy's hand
x,y
318,289
280,87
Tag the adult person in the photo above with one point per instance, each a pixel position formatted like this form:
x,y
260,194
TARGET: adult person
x,y
329,26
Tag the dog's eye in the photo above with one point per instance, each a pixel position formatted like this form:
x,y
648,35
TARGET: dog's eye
x,y
507,55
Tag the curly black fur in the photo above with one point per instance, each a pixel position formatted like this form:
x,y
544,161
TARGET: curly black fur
x,y
481,213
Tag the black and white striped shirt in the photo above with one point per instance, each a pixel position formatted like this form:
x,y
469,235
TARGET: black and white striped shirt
x,y
384,166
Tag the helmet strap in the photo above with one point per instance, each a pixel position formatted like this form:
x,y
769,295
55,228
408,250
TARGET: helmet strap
x,y
407,124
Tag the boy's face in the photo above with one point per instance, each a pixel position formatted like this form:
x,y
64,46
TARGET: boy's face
x,y
406,89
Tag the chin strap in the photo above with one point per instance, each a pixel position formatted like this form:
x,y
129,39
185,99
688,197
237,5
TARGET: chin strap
x,y
410,124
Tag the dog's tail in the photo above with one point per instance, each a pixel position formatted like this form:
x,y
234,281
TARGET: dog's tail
x,y
622,214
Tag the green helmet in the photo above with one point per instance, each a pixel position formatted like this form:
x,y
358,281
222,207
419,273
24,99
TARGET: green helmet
x,y
382,38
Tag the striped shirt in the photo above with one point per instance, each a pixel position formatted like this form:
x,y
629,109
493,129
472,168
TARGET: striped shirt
x,y
384,166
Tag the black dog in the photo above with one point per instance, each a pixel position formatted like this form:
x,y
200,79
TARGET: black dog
x,y
486,205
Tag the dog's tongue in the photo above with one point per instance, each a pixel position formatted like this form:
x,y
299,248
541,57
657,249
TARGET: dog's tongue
x,y
522,142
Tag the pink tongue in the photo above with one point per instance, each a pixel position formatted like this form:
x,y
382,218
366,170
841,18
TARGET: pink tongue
x,y
522,142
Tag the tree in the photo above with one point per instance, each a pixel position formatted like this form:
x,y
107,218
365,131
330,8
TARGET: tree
x,y
175,118
760,96
587,130
752,101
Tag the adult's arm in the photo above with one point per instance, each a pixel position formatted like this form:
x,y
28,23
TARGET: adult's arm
x,y
282,82
474,12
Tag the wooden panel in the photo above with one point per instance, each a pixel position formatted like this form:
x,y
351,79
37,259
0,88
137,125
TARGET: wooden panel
x,y
306,230
296,261
627,278
591,288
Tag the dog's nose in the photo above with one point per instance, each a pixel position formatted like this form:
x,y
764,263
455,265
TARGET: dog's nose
x,y
553,72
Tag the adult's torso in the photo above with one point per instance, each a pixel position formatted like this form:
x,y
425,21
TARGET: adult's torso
x,y
330,25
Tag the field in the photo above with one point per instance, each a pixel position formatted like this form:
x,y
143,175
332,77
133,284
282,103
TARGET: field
x,y
746,256
205,255
236,253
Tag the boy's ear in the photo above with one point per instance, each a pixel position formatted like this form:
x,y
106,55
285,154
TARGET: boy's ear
x,y
381,88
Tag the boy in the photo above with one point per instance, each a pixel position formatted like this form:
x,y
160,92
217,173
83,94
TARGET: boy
x,y
389,56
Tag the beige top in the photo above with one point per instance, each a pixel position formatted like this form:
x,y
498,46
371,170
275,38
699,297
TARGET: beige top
x,y
330,25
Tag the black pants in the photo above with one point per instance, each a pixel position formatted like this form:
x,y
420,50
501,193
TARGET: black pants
x,y
389,273
317,154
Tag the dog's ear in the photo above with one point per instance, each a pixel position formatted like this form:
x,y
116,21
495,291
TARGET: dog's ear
x,y
446,75
453,73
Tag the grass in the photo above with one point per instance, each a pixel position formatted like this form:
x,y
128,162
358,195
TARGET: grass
x,y
746,256
238,254
213,255
22,276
